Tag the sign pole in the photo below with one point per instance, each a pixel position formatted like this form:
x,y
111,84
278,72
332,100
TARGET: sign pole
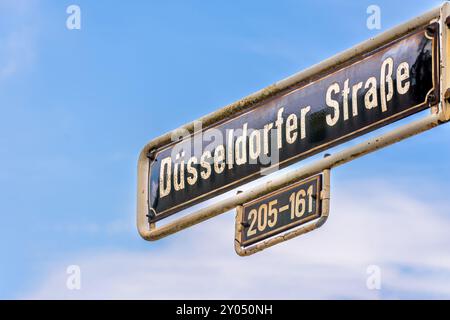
x,y
444,56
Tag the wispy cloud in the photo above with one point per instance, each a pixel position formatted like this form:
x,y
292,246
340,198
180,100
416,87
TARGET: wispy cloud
x,y
373,224
17,42
16,53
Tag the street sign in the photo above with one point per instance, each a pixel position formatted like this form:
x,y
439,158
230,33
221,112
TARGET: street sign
x,y
366,92
271,218
280,211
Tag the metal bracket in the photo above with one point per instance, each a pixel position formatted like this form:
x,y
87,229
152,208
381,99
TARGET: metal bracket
x,y
444,46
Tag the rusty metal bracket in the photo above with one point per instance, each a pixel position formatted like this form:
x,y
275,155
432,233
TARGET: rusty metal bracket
x,y
444,54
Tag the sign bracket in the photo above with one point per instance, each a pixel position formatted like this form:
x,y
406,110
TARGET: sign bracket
x,y
444,61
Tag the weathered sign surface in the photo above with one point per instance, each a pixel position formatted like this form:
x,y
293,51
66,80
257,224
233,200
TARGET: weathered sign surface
x,y
370,91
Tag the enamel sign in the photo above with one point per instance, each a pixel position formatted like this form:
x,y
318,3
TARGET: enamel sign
x,y
367,92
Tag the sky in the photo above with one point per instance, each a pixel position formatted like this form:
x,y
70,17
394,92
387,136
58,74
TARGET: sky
x,y
77,106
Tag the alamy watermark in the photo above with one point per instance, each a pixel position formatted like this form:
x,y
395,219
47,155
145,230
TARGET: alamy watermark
x,y
374,18
73,281
73,21
373,281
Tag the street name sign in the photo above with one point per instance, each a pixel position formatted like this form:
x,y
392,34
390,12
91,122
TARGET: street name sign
x,y
364,93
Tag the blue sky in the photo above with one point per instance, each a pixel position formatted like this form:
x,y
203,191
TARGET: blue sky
x,y
78,105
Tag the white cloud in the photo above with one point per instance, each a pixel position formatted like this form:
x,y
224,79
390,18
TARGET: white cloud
x,y
17,45
17,6
369,224
16,53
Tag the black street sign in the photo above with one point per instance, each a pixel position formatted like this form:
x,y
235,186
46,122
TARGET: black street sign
x,y
368,92
280,211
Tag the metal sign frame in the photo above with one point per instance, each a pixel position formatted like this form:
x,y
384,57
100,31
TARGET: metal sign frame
x,y
440,113
287,235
